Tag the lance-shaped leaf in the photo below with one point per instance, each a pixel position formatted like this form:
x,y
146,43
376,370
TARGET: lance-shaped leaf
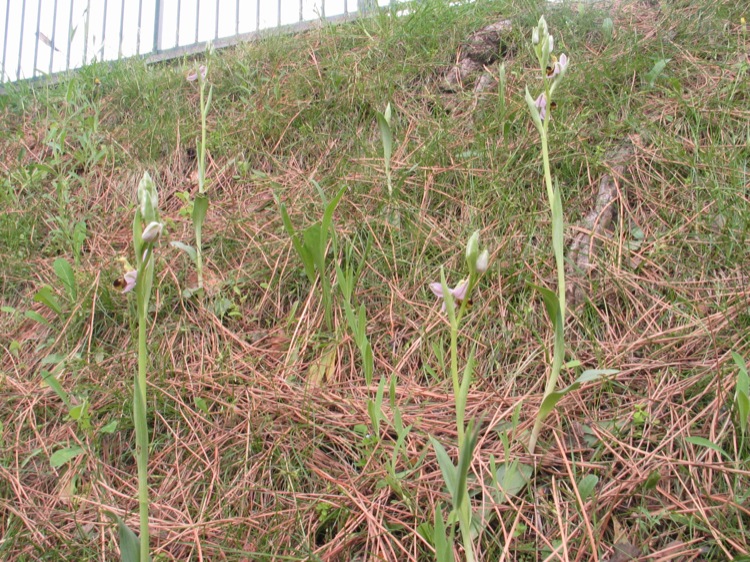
x,y
551,400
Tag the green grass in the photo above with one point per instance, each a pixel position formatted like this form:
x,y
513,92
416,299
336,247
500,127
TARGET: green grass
x,y
246,455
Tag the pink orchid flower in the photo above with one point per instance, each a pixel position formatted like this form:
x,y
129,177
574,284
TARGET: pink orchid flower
x,y
458,292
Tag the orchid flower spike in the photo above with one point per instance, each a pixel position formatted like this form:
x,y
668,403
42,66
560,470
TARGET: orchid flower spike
x,y
458,292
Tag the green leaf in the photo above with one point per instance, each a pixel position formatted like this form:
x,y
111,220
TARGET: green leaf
x,y
201,404
325,224
65,455
512,478
465,455
130,544
51,381
443,545
450,475
368,362
303,253
47,297
397,423
552,305
551,400
703,442
36,317
586,486
374,408
65,273
189,250
557,226
110,428
656,70
742,392
200,208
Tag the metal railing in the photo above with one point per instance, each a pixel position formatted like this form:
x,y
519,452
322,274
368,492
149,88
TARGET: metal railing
x,y
47,37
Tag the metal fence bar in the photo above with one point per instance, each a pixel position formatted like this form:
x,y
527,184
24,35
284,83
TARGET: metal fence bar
x,y
158,25
265,13
216,26
70,36
140,25
122,23
38,37
104,28
20,41
86,32
197,19
53,47
179,17
5,39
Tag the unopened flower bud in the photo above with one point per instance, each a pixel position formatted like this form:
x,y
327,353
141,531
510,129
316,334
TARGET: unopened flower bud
x,y
472,248
483,261
152,232
535,36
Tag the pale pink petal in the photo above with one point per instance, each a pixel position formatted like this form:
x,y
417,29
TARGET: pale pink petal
x,y
459,292
437,289
130,279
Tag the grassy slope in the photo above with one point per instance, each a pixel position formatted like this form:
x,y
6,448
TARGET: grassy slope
x,y
251,463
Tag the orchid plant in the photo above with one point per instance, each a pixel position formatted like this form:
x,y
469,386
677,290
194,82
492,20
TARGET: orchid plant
x,y
455,302
140,281
553,71
200,203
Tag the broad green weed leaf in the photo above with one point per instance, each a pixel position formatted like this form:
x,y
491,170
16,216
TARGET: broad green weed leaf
x,y
656,70
189,250
110,428
65,273
449,471
51,381
703,442
304,254
586,486
368,362
443,546
551,303
47,297
36,317
465,455
200,208
742,392
551,400
65,455
130,544
512,478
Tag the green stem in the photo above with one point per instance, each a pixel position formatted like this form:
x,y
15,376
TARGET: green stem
x,y
202,161
199,257
559,344
456,384
141,433
466,530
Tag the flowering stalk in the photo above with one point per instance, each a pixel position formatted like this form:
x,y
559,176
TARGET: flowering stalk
x,y
456,477
553,71
141,280
200,204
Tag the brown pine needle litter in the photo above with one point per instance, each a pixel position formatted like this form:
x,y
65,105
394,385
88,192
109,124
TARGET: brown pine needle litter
x,y
260,449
